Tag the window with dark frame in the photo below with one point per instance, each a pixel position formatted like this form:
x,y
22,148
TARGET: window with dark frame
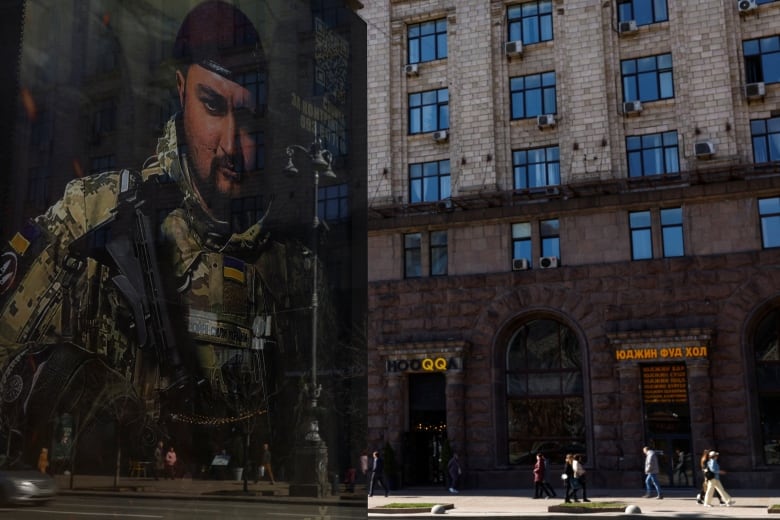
x,y
653,154
245,211
429,181
762,59
438,253
640,224
429,111
766,357
769,213
530,22
643,12
333,202
412,255
536,167
647,79
544,391
427,41
765,135
521,241
549,235
532,95
258,138
672,232
104,116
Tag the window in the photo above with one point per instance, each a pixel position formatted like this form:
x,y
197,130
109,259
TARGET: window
x,y
672,232
333,202
102,163
641,235
259,140
429,181
429,111
536,167
647,79
766,139
38,187
427,41
652,154
530,22
544,388
521,241
533,95
438,253
549,232
762,59
104,116
245,211
643,12
412,255
255,83
767,378
769,212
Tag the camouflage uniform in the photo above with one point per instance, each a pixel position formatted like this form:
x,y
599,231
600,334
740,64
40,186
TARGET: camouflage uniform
x,y
80,278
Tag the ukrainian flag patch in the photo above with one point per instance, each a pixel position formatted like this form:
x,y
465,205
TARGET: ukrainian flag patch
x,y
233,269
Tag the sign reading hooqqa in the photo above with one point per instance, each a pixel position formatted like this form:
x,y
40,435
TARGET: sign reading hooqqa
x,y
427,364
661,353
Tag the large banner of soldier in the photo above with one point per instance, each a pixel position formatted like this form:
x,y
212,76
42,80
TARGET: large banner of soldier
x,y
183,255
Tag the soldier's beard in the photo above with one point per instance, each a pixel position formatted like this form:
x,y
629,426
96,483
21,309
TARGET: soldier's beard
x,y
220,186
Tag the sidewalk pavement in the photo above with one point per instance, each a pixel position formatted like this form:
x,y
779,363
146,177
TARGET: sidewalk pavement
x,y
676,504
483,503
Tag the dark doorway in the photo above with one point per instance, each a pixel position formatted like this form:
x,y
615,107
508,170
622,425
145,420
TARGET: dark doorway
x,y
668,422
427,430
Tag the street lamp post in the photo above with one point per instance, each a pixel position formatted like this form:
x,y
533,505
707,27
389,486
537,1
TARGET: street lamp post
x,y
308,480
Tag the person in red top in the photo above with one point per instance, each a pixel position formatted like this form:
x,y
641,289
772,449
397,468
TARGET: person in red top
x,y
170,463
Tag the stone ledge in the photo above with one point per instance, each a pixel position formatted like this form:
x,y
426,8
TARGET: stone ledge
x,y
580,510
405,510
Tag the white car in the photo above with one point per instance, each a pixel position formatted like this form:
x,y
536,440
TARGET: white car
x,y
26,486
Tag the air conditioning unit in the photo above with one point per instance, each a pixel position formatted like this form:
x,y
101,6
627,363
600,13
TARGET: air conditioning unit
x,y
545,120
627,27
755,90
513,48
412,69
745,6
441,136
704,149
519,264
632,107
548,262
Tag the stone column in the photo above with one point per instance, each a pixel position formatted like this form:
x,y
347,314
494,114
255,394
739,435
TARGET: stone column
x,y
700,405
456,411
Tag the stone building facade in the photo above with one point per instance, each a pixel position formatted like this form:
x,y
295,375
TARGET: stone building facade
x,y
620,288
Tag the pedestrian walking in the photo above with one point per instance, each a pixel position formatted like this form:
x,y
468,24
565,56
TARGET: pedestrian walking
x,y
541,486
712,474
651,473
455,470
680,467
569,489
377,475
580,479
705,457
158,467
266,461
170,463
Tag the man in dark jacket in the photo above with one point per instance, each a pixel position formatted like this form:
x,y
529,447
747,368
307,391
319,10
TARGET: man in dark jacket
x,y
377,474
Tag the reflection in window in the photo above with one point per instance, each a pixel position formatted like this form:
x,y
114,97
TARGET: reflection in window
x,y
643,12
530,22
536,167
544,386
672,232
767,358
334,202
532,95
549,233
429,111
521,241
762,59
245,211
769,212
438,253
429,181
766,139
641,235
427,41
648,78
652,154
412,255
102,163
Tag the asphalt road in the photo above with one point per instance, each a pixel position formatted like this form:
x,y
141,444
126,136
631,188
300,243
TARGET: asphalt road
x,y
78,507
